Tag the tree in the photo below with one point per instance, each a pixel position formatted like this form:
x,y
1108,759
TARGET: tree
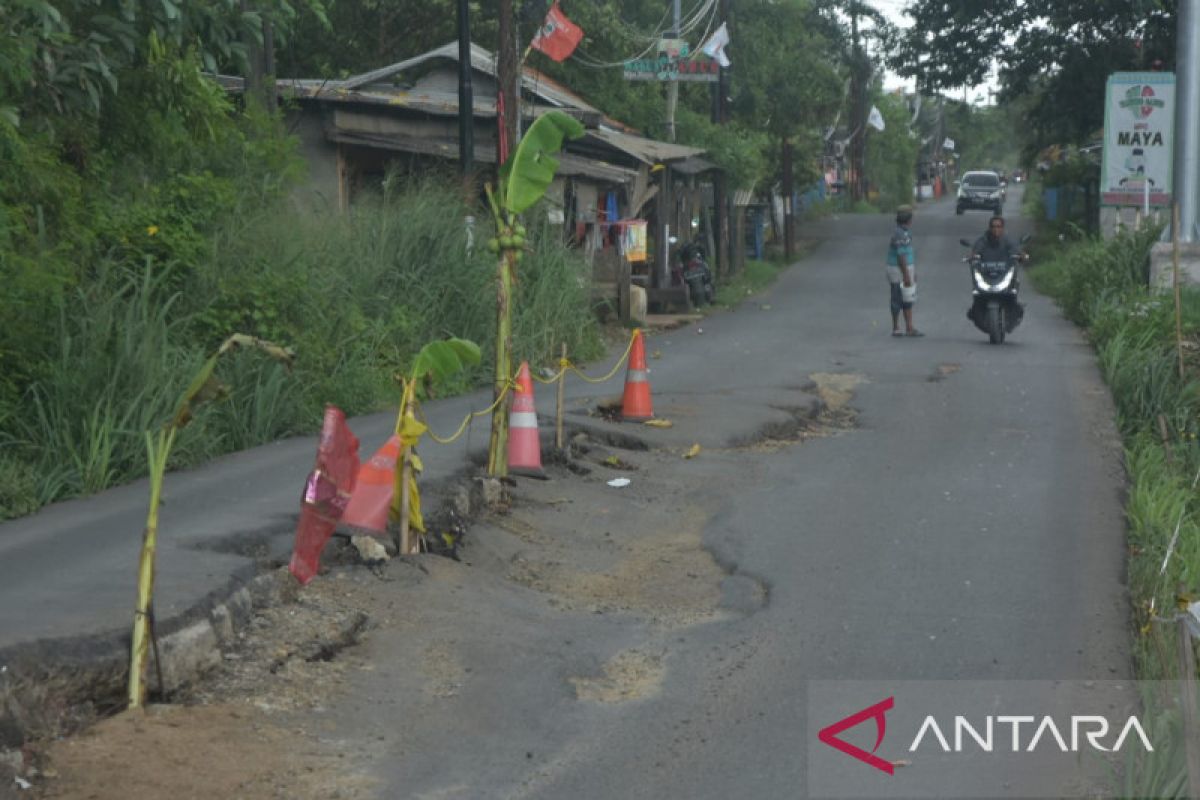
x,y
891,157
64,57
1059,51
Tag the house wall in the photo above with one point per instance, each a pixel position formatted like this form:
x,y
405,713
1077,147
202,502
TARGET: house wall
x,y
321,188
383,125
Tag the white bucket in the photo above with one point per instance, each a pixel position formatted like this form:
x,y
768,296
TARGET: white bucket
x,y
908,293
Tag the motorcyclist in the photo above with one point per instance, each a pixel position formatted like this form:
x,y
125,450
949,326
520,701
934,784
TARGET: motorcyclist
x,y
995,246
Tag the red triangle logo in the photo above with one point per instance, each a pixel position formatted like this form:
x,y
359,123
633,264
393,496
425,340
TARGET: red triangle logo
x,y
877,712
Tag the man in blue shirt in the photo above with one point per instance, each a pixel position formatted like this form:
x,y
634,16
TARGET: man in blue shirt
x,y
902,273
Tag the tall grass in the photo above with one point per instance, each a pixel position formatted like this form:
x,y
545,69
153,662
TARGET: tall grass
x,y
355,295
1103,286
111,376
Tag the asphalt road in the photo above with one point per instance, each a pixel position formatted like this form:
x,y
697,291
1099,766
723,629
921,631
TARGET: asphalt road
x,y
970,529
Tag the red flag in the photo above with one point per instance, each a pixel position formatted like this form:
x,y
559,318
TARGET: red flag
x,y
326,493
558,36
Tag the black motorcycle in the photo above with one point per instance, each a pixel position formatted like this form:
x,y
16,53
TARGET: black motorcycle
x,y
691,269
994,306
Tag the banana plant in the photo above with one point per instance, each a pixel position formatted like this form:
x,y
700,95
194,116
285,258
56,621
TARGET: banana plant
x,y
524,178
205,388
435,362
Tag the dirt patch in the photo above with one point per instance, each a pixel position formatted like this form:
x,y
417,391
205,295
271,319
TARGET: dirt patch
x,y
234,734
666,575
630,675
836,389
183,752
444,672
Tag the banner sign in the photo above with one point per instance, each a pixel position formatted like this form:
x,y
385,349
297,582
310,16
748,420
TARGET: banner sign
x,y
633,239
1139,133
673,63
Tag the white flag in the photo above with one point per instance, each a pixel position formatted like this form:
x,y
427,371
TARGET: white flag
x,y
875,119
714,48
948,144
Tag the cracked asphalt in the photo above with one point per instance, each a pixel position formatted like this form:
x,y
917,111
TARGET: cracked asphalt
x,y
862,508
962,523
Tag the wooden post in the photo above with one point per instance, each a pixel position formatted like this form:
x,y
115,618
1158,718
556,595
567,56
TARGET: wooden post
x,y
1178,291
1191,727
624,278
343,189
562,380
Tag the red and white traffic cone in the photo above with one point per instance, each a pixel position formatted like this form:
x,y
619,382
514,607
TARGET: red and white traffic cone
x,y
636,405
524,446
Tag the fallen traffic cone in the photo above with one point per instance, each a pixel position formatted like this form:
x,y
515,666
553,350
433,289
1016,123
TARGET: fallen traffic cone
x,y
524,446
636,405
372,494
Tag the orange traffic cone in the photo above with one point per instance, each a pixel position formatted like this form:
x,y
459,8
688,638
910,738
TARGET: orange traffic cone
x,y
524,447
372,496
636,405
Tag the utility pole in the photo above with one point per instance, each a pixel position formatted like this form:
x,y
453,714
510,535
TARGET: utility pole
x,y
673,86
858,133
508,79
1187,118
720,115
466,100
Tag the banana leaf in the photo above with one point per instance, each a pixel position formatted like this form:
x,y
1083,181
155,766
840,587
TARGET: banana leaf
x,y
529,170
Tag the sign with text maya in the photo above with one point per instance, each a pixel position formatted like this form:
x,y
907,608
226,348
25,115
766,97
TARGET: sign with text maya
x,y
1139,134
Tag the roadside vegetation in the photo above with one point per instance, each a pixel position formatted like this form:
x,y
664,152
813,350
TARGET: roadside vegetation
x,y
757,276
144,220
1103,286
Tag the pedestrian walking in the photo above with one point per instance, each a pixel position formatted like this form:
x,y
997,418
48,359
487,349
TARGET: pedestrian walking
x,y
902,273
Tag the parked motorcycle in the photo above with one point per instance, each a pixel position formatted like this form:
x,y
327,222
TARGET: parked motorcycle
x,y
691,269
994,306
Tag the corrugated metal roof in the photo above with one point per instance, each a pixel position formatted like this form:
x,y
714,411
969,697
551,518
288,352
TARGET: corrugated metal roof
x,y
693,165
648,151
483,60
440,103
569,164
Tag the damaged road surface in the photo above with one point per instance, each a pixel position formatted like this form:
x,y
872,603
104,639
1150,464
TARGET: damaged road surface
x,y
842,515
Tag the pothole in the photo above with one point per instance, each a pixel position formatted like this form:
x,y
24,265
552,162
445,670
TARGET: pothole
x,y
833,414
611,436
836,389
630,675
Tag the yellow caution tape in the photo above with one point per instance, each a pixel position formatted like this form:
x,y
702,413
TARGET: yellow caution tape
x,y
565,364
